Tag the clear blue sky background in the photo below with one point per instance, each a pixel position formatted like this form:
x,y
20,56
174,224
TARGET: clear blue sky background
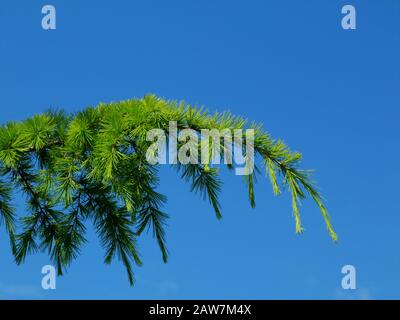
x,y
329,93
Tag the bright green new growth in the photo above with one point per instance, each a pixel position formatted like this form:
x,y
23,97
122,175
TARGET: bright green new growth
x,y
92,166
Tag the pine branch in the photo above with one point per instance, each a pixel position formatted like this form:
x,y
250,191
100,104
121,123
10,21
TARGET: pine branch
x,y
150,216
92,165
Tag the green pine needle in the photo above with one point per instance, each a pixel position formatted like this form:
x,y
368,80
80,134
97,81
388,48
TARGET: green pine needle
x,y
91,167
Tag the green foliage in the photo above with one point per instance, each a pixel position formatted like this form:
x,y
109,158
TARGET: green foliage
x,y
91,166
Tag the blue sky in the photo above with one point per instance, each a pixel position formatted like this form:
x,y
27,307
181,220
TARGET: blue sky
x,y
329,93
